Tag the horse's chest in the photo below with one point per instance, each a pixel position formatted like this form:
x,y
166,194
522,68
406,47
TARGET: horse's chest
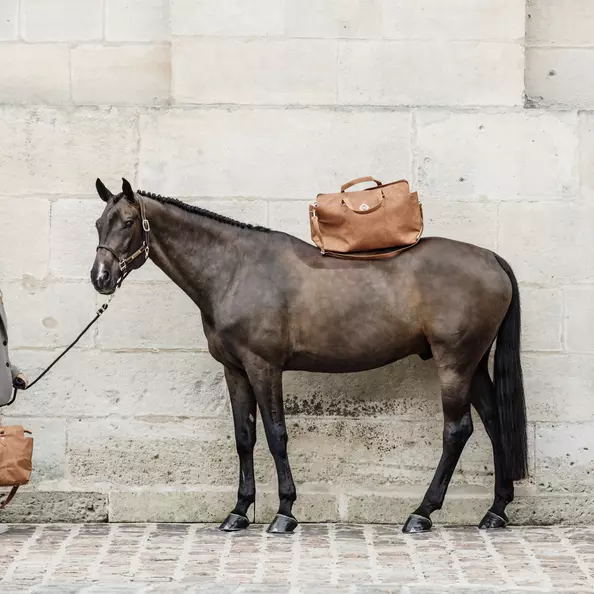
x,y
214,341
219,346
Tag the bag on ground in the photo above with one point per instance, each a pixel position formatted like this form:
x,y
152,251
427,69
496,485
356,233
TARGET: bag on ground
x,y
16,453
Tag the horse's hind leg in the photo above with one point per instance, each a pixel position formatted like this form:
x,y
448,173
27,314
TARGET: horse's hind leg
x,y
455,393
482,393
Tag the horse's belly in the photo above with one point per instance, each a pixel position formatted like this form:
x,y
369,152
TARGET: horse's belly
x,y
355,349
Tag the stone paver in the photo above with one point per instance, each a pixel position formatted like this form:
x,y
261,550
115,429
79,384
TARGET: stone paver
x,y
113,558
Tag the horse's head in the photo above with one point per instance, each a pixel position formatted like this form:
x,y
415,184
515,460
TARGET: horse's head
x,y
123,237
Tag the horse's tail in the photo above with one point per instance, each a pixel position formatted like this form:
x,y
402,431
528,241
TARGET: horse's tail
x,y
509,388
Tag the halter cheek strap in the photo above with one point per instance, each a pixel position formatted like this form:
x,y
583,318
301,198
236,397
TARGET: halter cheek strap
x,y
144,248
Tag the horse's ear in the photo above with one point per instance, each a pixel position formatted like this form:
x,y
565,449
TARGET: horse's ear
x,y
103,192
128,191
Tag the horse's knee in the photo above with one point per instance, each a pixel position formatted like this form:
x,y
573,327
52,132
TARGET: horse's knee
x,y
245,440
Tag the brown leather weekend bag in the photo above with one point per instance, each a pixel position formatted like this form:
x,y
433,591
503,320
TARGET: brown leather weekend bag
x,y
371,221
16,453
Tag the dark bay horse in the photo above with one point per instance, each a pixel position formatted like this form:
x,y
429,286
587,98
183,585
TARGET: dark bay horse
x,y
271,302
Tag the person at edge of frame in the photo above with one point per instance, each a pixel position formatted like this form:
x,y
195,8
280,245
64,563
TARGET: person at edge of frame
x,y
10,376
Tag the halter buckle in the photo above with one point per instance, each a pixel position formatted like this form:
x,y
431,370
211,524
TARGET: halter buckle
x,y
146,225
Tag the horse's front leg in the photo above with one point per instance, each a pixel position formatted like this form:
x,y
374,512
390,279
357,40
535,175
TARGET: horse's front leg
x,y
267,384
243,403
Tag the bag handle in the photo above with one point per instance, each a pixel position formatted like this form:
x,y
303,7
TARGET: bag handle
x,y
9,497
359,180
3,431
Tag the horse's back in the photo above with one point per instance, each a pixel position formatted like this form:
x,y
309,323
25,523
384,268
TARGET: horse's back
x,y
427,248
433,261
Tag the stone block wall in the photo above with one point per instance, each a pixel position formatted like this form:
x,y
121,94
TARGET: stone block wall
x,y
482,104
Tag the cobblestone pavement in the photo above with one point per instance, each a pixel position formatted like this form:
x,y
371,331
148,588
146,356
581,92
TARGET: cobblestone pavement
x,y
106,558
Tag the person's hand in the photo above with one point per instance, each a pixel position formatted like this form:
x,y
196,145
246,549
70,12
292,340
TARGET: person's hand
x,y
20,382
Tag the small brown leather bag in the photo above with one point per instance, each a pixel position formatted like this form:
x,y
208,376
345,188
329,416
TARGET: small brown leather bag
x,y
377,222
16,453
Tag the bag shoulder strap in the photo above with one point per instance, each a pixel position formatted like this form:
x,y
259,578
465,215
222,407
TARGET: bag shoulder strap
x,y
316,233
379,255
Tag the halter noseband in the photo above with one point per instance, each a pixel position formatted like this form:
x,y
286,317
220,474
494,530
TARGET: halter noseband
x,y
144,248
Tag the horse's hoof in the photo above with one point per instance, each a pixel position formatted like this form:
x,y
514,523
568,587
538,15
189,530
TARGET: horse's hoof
x,y
282,525
492,520
234,522
416,523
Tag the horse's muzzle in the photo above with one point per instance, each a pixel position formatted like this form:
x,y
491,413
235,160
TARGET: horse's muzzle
x,y
104,279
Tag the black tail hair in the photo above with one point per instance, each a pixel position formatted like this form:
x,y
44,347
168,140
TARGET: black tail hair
x,y
509,387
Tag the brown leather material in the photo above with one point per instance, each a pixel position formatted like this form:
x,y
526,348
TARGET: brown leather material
x,y
16,454
371,205
359,180
377,222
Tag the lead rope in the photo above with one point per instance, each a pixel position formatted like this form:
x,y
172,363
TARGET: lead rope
x,y
100,312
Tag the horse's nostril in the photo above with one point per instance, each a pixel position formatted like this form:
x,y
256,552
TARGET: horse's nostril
x,y
103,278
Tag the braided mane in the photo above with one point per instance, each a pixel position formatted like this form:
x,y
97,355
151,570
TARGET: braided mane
x,y
201,211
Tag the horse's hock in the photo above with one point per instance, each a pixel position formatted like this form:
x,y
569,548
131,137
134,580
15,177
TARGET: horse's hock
x,y
135,425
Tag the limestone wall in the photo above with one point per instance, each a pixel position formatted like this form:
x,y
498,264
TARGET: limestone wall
x,y
482,104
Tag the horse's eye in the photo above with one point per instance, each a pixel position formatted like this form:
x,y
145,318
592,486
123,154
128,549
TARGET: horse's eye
x,y
128,224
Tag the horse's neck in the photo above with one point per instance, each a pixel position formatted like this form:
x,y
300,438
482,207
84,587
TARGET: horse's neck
x,y
194,251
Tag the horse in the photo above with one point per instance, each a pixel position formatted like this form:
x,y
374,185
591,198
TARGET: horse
x,y
270,302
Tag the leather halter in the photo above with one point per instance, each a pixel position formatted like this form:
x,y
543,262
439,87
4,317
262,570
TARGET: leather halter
x,y
144,248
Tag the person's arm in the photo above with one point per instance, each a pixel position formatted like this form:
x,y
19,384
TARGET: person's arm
x,y
19,380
